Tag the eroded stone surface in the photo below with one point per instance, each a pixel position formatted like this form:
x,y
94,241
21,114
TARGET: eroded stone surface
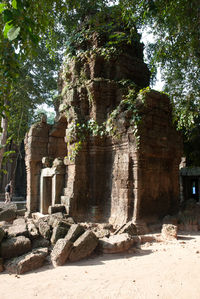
x,y
83,246
32,230
45,229
75,231
169,232
19,228
129,228
7,213
58,233
116,243
14,247
60,252
27,262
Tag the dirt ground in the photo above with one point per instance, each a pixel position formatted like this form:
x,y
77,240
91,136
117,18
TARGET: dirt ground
x,y
158,270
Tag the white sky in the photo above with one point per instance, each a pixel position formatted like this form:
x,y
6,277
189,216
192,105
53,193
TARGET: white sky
x,y
147,37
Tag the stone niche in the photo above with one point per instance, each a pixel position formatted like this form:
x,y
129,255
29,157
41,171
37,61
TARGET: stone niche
x,y
119,153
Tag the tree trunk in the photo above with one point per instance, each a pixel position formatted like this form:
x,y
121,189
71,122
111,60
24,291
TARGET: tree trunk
x,y
3,138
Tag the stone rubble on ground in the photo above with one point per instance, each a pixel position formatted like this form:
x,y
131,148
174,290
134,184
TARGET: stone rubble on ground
x,y
28,243
8,212
60,252
116,243
169,232
83,246
14,247
27,262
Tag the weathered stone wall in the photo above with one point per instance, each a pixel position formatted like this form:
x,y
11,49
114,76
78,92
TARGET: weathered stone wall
x,y
43,140
120,150
159,156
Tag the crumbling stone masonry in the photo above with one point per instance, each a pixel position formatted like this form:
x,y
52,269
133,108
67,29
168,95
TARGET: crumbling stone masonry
x,y
116,153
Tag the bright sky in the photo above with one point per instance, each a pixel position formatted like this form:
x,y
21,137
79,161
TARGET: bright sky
x,y
147,37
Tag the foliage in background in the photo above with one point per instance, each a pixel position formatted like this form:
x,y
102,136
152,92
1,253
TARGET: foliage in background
x,y
26,25
175,26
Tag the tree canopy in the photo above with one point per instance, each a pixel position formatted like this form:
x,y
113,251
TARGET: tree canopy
x,y
33,36
176,49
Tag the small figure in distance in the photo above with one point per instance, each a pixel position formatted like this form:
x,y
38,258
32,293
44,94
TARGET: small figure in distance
x,y
8,192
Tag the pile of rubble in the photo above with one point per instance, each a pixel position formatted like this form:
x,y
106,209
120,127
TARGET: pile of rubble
x,y
29,243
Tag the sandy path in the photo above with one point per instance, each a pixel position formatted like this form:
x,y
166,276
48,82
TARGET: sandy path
x,y
159,270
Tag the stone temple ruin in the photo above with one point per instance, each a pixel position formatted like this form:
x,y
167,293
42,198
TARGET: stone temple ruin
x,y
113,154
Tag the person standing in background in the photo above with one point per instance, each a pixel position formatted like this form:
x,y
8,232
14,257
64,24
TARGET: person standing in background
x,y
8,192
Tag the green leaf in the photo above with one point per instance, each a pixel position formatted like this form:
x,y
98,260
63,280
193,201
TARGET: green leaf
x,y
2,7
13,33
7,27
14,4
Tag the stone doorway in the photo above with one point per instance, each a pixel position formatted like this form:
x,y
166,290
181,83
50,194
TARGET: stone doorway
x,y
46,193
51,185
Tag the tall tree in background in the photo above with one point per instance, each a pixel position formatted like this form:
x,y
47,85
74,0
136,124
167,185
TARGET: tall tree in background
x,y
176,29
174,24
27,76
36,31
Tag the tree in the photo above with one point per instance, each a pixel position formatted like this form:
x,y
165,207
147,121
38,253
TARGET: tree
x,y
175,25
26,79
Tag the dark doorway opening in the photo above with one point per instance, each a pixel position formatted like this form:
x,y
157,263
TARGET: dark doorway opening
x,y
47,193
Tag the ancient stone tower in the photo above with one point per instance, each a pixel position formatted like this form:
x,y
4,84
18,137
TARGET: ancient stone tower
x,y
112,154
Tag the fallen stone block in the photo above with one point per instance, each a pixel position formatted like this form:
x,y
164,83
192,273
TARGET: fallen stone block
x,y
8,214
83,246
44,229
116,243
19,228
19,221
129,228
75,231
59,232
40,242
32,230
14,247
56,208
169,232
102,233
60,252
61,223
27,262
39,216
54,218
